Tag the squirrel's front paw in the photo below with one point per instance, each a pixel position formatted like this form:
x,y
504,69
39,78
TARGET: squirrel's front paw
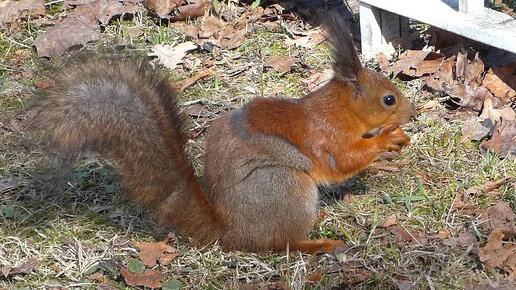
x,y
392,138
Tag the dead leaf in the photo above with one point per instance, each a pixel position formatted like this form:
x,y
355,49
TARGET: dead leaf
x,y
186,83
401,233
191,11
196,110
488,187
151,252
12,11
470,97
166,259
211,27
170,56
236,40
472,71
477,129
6,270
70,32
489,112
443,234
388,221
25,268
281,64
308,41
443,78
318,79
499,216
163,7
9,184
499,254
503,140
409,59
192,31
99,277
464,239
150,278
496,85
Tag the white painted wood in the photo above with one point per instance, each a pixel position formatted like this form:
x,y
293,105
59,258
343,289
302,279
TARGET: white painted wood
x,y
471,6
488,26
370,31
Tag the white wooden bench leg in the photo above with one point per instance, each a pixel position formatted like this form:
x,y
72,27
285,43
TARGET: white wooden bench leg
x,y
370,29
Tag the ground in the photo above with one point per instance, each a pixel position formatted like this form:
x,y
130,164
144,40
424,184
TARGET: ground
x,y
74,228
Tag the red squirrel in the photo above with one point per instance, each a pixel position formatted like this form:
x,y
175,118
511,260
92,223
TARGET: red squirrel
x,y
264,161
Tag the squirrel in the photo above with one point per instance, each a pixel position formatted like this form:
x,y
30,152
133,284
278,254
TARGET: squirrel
x,y
264,161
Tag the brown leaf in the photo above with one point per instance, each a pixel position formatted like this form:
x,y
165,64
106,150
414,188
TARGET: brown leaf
x,y
501,81
170,56
443,234
11,11
308,41
186,83
401,233
167,258
163,7
192,31
463,240
443,78
470,97
150,278
477,129
473,71
499,216
409,59
191,11
9,184
281,64
503,141
6,270
318,79
25,268
429,65
151,252
495,115
488,187
211,27
236,40
497,254
388,221
70,32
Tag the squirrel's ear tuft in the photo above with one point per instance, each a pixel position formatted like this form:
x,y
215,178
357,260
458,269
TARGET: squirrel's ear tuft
x,y
345,57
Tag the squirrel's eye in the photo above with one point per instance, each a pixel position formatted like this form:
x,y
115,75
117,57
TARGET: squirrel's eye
x,y
389,100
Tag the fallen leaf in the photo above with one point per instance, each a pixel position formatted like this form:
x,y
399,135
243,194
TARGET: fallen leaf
x,y
499,216
166,259
70,32
464,239
501,82
281,64
489,112
99,277
443,234
192,31
503,140
170,56
12,11
488,187
236,40
150,278
6,270
499,254
401,233
191,11
211,27
316,276
25,268
163,7
151,252
443,79
477,129
388,221
473,70
318,79
308,41
9,184
409,59
470,97
186,83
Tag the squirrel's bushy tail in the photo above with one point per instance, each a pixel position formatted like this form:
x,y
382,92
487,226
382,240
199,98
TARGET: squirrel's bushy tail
x,y
127,112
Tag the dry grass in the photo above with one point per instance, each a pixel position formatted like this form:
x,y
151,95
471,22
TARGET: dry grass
x,y
86,224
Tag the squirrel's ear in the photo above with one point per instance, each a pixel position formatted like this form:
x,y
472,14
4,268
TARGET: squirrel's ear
x,y
345,57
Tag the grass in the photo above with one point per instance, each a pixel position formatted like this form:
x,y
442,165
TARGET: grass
x,y
80,222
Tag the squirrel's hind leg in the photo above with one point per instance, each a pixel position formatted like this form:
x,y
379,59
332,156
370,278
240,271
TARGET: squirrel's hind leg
x,y
315,246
